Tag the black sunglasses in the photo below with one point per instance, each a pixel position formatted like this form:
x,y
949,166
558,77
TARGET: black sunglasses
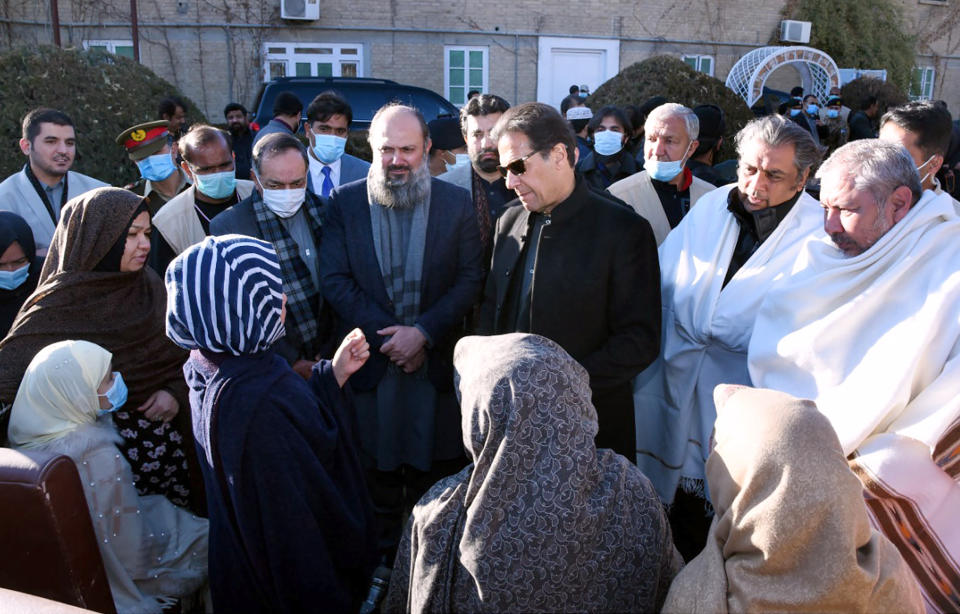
x,y
517,167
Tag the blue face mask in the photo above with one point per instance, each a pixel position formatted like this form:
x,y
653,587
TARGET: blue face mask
x,y
662,170
117,395
156,168
328,148
812,109
607,142
216,185
11,280
833,113
794,112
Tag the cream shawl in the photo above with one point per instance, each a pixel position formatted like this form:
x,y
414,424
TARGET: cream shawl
x,y
874,339
706,331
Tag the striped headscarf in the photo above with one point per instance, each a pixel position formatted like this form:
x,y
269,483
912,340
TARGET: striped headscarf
x,y
225,295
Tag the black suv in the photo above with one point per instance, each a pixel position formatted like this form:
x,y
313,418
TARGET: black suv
x,y
364,95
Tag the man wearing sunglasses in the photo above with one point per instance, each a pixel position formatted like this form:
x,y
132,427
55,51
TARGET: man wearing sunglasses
x,y
573,265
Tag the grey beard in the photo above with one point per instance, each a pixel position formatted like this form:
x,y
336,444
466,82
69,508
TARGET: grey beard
x,y
405,196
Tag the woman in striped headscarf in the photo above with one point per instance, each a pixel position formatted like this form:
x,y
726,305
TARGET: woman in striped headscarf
x,y
291,524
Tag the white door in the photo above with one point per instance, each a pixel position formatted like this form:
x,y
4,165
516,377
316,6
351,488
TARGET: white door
x,y
564,62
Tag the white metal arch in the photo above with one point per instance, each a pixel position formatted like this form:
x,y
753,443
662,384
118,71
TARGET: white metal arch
x,y
818,71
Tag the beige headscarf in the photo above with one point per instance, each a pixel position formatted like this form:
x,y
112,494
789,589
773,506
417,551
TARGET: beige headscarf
x,y
791,531
58,392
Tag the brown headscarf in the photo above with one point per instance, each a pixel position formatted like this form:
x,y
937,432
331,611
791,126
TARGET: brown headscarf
x,y
122,312
791,531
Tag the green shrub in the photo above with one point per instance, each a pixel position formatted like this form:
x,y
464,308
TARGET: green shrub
x,y
857,91
670,77
103,94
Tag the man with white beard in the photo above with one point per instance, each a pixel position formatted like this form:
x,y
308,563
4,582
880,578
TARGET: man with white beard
x,y
402,260
716,267
867,326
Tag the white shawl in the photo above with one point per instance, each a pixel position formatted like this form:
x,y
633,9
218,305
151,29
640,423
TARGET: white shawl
x,y
705,331
874,339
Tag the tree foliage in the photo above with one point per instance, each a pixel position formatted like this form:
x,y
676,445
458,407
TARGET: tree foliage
x,y
673,79
863,34
102,93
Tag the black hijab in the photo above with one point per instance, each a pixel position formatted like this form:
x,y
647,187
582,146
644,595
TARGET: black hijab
x,y
13,229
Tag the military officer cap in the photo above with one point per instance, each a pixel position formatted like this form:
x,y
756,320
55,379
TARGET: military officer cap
x,y
145,139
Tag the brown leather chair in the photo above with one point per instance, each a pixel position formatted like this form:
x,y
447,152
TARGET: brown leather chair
x,y
49,546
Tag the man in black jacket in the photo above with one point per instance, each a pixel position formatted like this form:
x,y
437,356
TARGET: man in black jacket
x,y
574,266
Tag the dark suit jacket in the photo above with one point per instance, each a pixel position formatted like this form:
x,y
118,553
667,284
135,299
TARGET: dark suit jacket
x,y
452,275
595,291
351,169
240,219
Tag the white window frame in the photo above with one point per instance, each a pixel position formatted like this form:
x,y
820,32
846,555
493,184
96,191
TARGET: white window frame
x,y
928,76
466,68
698,62
337,58
110,44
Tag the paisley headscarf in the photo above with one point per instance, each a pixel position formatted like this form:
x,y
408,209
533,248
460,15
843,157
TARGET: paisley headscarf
x,y
541,521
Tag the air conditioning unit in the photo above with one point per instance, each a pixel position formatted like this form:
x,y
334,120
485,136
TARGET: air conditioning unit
x,y
307,10
794,31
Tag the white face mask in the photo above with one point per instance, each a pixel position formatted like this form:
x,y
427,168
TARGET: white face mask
x,y
284,203
924,178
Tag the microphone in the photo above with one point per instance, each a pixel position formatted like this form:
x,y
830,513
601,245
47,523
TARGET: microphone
x,y
378,588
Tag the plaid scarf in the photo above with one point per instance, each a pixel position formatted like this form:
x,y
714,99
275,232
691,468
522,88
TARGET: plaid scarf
x,y
482,209
303,298
399,238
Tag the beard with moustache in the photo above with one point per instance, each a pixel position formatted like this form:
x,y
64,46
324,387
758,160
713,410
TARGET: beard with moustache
x,y
487,165
403,194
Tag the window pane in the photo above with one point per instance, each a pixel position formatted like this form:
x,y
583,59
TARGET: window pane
x,y
348,69
456,59
706,65
916,83
276,49
302,69
312,51
104,47
278,69
324,69
456,76
476,59
457,95
476,78
348,51
125,50
691,61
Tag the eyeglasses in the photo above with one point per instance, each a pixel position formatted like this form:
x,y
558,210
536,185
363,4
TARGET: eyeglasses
x,y
517,167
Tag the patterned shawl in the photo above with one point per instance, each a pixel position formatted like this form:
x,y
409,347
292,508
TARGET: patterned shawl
x,y
541,521
791,531
399,239
225,296
121,312
303,297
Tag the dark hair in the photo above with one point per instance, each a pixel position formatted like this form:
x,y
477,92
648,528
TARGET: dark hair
x,y
484,104
326,105
568,102
635,116
201,135
609,111
713,124
930,121
650,104
543,126
234,106
168,106
277,143
287,103
574,89
797,91
472,93
33,119
868,102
